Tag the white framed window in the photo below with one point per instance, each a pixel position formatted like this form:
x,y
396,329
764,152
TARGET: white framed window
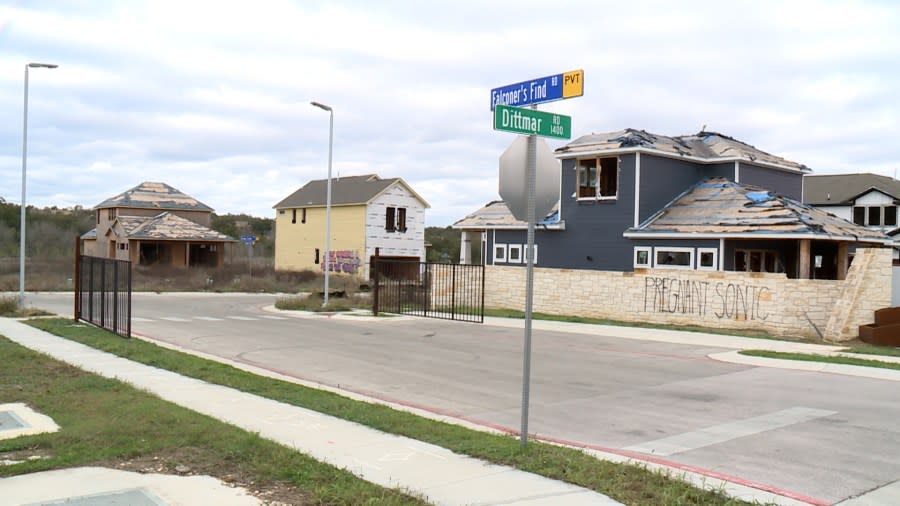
x,y
642,256
499,253
514,254
670,257
525,249
708,259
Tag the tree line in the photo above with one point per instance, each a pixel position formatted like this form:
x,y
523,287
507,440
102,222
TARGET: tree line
x,y
51,232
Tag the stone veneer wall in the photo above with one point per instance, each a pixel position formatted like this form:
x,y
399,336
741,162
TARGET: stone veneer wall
x,y
726,300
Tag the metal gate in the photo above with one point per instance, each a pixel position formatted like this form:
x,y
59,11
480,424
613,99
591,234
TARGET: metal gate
x,y
432,290
103,293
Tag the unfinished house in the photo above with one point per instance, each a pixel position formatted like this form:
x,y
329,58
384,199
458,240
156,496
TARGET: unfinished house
x,y
155,224
617,186
869,200
720,225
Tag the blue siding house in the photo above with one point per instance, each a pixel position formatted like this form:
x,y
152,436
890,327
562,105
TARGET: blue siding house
x,y
631,199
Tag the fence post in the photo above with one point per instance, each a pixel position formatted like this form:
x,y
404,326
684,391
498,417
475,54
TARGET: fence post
x,y
453,291
116,296
77,278
129,298
482,292
374,269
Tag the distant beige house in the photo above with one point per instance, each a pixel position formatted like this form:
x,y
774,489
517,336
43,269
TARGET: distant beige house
x,y
155,224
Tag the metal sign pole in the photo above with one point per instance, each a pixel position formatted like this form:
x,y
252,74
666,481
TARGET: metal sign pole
x,y
531,171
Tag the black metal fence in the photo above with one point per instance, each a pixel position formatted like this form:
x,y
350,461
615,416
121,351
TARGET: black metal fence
x,y
432,290
103,293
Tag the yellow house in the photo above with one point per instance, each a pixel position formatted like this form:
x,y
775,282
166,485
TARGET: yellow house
x,y
367,212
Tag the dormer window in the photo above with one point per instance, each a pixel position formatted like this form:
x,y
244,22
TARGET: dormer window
x,y
598,178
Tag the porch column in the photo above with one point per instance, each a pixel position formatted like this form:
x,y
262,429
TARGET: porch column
x,y
465,248
187,254
803,271
842,258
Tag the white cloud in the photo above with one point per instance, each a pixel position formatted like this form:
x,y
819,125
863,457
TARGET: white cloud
x,y
213,97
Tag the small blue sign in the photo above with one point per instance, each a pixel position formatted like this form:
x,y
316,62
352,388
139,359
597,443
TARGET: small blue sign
x,y
543,89
248,239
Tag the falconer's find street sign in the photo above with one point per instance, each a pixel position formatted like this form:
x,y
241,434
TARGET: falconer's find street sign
x,y
510,117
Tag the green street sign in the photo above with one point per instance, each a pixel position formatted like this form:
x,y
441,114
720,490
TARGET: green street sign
x,y
528,122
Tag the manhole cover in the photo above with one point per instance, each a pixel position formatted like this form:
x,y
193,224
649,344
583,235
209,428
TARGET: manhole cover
x,y
133,497
10,421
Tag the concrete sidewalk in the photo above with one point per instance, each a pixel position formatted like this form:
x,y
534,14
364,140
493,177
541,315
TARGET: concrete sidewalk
x,y
435,473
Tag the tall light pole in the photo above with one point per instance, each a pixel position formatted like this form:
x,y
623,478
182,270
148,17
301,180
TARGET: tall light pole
x,y
24,157
327,197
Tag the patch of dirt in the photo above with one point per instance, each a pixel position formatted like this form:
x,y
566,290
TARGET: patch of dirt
x,y
23,455
187,462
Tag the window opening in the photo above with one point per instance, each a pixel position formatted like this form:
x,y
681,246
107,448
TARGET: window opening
x,y
642,256
874,216
389,217
674,258
515,254
499,253
401,219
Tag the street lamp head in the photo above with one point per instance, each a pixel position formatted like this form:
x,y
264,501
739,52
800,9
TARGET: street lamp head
x,y
43,65
321,106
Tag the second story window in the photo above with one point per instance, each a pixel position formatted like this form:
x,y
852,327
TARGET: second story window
x,y
111,213
401,219
875,216
389,219
598,178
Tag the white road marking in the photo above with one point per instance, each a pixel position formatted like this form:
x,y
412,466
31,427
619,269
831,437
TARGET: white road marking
x,y
173,319
208,318
728,431
139,319
242,318
269,317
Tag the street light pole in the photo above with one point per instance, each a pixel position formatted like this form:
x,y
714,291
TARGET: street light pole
x,y
24,157
327,197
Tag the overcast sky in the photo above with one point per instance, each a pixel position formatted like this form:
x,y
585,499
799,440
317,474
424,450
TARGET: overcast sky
x,y
213,97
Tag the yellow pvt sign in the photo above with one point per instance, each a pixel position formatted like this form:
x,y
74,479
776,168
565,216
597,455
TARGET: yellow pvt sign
x,y
573,84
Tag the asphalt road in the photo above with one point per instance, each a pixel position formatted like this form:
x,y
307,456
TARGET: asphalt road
x,y
823,436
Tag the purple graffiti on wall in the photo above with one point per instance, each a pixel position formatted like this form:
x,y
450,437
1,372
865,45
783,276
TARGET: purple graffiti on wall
x,y
342,261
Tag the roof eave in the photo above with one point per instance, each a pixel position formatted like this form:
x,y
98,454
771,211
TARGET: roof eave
x,y
655,152
751,235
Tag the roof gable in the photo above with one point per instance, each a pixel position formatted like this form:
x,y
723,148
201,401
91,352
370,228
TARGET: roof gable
x,y
170,227
719,207
843,189
151,195
705,147
352,190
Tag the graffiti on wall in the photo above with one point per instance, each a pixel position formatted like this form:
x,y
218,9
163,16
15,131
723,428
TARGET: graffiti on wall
x,y
723,300
345,261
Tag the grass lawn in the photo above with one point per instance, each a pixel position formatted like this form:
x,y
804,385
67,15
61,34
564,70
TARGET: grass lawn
x,y
629,484
809,357
108,423
871,349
